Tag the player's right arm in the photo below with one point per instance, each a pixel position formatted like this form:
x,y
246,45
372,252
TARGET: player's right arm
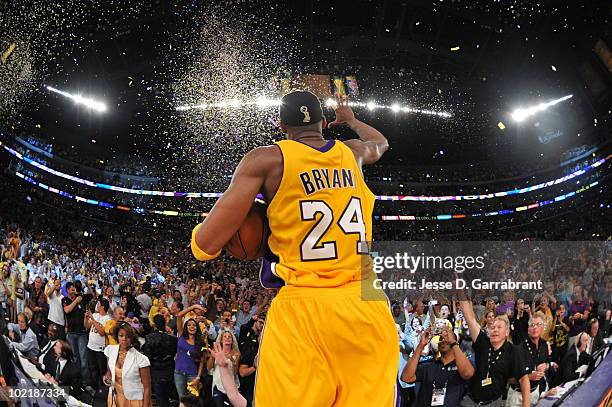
x,y
224,219
371,144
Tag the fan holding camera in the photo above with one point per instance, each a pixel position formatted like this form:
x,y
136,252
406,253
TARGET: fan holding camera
x,y
443,381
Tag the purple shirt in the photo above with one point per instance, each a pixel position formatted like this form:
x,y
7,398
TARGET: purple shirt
x,y
579,324
502,308
185,359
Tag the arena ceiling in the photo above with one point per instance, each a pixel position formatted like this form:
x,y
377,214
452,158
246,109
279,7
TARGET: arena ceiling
x,y
138,57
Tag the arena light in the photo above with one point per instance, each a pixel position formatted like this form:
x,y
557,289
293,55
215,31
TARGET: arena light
x,y
266,103
508,211
143,211
523,113
80,100
418,198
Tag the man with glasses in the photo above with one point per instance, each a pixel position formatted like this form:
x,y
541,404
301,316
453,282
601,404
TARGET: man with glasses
x,y
497,361
535,352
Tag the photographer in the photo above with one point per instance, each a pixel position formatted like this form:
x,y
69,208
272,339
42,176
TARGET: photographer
x,y
226,322
443,381
520,320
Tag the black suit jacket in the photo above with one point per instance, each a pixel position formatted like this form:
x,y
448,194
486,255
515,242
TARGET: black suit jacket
x,y
598,343
570,363
70,376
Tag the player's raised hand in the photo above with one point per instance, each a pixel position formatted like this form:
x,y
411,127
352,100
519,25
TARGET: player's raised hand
x,y
344,113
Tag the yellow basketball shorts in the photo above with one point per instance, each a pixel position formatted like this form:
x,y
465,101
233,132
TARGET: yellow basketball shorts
x,y
325,347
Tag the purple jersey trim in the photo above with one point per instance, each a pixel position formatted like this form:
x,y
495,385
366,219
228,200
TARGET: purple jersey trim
x,y
267,277
323,149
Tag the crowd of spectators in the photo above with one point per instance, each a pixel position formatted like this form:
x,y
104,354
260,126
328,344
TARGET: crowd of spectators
x,y
111,286
111,303
549,339
97,306
136,307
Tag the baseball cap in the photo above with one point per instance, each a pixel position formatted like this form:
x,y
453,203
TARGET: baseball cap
x,y
300,108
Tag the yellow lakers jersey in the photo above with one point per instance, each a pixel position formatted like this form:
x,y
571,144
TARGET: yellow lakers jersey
x,y
321,216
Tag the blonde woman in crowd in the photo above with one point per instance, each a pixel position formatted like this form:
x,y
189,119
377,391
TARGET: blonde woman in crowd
x,y
229,346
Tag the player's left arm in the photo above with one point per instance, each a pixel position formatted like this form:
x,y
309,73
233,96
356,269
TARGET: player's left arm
x,y
371,144
228,213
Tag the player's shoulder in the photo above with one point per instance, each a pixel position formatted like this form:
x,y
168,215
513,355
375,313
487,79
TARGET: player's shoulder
x,y
269,152
265,156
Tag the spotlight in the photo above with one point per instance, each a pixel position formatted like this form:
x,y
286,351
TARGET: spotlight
x,y
521,114
264,102
80,100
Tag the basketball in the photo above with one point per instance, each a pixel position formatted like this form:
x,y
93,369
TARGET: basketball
x,y
250,241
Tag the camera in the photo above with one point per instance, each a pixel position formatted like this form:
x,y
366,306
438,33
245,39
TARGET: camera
x,y
227,321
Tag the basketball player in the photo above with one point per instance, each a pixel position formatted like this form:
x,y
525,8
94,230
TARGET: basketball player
x,y
323,345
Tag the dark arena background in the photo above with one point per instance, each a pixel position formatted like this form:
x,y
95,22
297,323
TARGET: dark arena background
x,y
121,124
